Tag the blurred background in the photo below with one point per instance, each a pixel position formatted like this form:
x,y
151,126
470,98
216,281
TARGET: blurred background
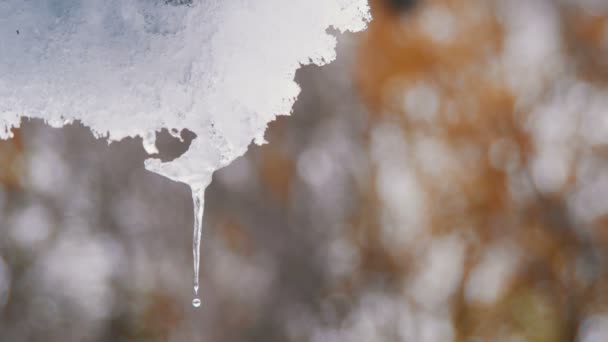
x,y
445,179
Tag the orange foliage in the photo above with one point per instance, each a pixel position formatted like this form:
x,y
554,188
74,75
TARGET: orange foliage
x,y
477,110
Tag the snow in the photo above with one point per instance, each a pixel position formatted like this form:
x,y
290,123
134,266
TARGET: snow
x,y
222,69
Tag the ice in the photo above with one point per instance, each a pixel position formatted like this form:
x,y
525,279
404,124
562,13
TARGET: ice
x,y
222,69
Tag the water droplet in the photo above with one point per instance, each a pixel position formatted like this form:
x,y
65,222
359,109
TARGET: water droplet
x,y
196,302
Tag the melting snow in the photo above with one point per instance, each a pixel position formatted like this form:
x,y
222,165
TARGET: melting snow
x,y
222,69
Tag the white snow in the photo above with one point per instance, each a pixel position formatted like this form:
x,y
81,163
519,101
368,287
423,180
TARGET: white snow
x,y
222,69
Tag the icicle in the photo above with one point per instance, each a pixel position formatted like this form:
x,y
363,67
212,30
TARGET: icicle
x,y
198,198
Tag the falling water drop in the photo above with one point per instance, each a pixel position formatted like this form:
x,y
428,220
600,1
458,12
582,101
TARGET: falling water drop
x,y
198,197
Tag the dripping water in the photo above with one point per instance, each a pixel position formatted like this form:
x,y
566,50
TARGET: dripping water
x,y
199,203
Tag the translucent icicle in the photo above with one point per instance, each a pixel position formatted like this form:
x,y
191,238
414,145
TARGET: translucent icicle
x,y
198,198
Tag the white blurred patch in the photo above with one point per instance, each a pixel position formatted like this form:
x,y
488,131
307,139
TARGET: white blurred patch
x,y
403,198
433,328
594,111
594,329
421,102
532,53
384,318
439,272
316,167
488,281
550,170
376,317
439,23
434,157
80,268
588,201
325,168
555,127
558,118
342,258
47,172
30,227
388,144
404,206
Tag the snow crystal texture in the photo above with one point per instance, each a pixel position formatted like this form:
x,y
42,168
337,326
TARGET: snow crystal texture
x,y
220,68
